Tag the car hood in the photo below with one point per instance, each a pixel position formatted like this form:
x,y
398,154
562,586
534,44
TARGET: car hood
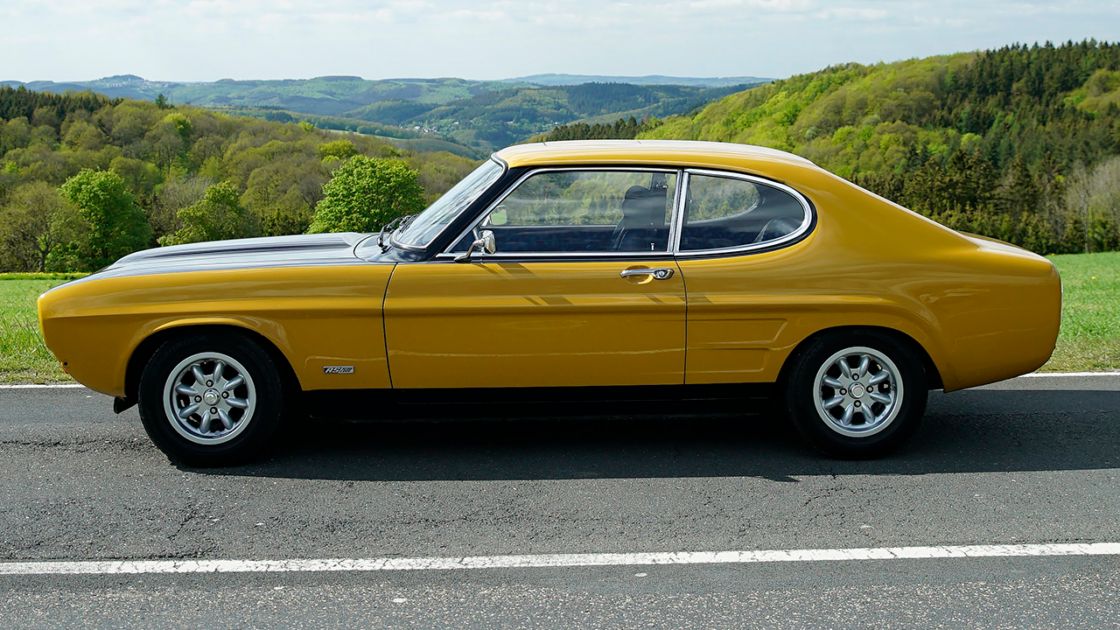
x,y
276,251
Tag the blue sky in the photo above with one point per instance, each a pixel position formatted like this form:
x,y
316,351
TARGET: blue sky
x,y
199,40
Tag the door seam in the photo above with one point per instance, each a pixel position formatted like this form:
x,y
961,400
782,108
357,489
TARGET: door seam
x,y
385,326
684,285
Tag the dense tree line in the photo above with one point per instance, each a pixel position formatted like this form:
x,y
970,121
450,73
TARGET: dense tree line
x,y
85,179
23,103
621,129
1008,143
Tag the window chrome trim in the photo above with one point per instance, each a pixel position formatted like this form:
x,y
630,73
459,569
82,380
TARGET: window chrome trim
x,y
666,253
806,223
423,248
404,246
677,223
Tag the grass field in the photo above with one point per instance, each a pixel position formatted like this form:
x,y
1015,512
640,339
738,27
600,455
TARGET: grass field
x,y
1089,340
1090,335
23,357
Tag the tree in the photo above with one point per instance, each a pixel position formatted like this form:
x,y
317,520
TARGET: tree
x,y
365,194
175,195
337,150
117,226
37,227
161,102
183,125
140,177
169,157
170,139
217,217
80,134
1092,202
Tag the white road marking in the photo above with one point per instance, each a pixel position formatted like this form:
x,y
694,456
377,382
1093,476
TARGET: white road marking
x,y
131,567
1031,375
1043,374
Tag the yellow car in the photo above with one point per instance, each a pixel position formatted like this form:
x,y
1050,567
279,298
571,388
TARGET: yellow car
x,y
625,270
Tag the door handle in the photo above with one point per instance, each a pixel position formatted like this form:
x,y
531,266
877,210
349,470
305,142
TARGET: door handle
x,y
658,274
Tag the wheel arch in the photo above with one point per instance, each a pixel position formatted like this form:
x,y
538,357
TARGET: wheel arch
x,y
146,349
933,374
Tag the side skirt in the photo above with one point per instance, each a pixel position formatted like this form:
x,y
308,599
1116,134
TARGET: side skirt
x,y
382,404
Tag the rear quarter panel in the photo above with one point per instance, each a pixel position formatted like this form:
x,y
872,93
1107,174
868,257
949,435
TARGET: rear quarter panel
x,y
982,311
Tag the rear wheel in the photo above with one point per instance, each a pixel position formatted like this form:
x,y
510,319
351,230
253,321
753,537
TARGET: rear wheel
x,y
211,399
856,394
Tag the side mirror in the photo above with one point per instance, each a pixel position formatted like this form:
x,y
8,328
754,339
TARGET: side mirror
x,y
485,243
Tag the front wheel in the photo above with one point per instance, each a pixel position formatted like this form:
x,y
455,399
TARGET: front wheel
x,y
211,399
856,394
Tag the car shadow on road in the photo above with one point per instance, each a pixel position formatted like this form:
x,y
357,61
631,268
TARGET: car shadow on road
x,y
970,431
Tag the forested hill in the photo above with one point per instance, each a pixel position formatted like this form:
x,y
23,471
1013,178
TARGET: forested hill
x,y
649,79
151,166
1017,143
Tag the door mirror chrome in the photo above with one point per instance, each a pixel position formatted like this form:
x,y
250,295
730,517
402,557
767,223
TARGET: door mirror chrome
x,y
484,243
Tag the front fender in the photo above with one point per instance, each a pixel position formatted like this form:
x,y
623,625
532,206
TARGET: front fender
x,y
315,316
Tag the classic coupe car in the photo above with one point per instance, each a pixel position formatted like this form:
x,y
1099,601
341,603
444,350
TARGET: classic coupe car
x,y
570,270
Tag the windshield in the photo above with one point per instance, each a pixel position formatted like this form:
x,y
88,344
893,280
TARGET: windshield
x,y
420,231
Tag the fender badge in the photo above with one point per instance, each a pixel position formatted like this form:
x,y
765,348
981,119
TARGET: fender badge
x,y
338,369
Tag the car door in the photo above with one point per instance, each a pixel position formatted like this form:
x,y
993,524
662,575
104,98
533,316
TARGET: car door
x,y
581,290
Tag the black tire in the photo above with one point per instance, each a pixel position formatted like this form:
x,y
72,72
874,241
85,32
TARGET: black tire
x,y
270,399
800,395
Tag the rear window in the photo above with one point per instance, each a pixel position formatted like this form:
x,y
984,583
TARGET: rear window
x,y
726,212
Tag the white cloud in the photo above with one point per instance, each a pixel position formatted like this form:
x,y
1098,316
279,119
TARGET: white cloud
x,y
410,5
853,13
778,6
210,39
931,20
470,14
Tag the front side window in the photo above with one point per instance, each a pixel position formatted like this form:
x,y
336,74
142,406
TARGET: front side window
x,y
583,212
429,223
724,212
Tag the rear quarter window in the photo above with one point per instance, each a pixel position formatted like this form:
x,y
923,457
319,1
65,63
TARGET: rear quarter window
x,y
728,212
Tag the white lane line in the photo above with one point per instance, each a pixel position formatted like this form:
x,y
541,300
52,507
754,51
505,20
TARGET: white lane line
x,y
1045,374
131,567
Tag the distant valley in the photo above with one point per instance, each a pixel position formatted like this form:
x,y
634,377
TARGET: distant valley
x,y
651,79
463,116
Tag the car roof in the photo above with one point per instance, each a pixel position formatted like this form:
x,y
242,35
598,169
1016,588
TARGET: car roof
x,y
649,153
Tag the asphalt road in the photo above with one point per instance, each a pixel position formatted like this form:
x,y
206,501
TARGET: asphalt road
x,y
1033,460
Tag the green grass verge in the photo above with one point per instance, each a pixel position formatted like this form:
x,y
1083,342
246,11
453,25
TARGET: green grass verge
x,y
1090,336
1089,339
23,356
41,276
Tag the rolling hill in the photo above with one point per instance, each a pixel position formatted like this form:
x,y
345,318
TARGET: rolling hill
x,y
323,96
652,79
1020,143
496,119
478,115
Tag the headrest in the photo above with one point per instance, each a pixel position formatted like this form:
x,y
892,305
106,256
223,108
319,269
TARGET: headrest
x,y
634,192
643,206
